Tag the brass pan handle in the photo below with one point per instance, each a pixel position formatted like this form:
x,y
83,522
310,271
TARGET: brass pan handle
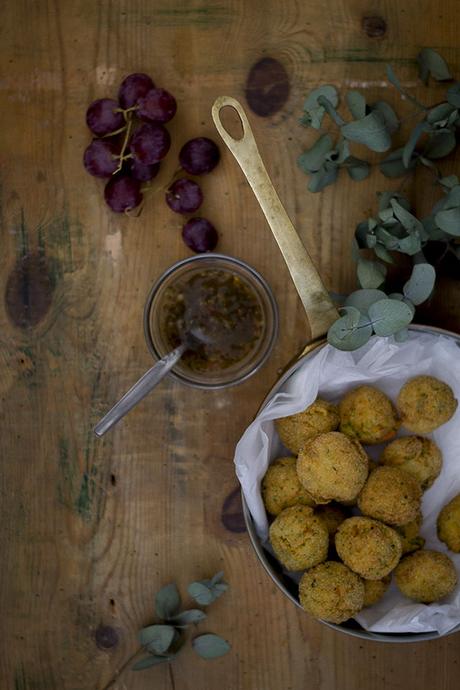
x,y
319,308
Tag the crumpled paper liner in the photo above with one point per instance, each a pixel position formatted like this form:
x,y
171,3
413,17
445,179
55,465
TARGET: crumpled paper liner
x,y
330,373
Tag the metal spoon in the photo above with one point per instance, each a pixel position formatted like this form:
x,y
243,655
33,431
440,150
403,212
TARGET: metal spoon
x,y
140,389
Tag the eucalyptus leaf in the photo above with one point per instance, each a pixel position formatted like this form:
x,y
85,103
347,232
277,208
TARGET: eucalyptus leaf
x,y
387,216
149,661
370,131
452,198
313,109
398,296
362,299
383,254
449,221
219,589
432,63
407,219
440,144
218,577
312,159
322,178
210,646
385,198
344,150
187,617
449,181
371,274
344,338
167,601
393,79
440,113
356,104
371,241
388,316
330,109
431,229
372,223
392,165
389,116
453,95
355,250
410,245
351,317
357,168
421,283
157,638
202,594
419,129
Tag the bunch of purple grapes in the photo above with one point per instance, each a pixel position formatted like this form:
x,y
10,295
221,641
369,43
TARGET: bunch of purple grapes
x,y
131,141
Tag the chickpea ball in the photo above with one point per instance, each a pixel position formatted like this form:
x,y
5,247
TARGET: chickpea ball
x,y
368,547
417,455
375,589
368,415
299,539
449,524
281,487
390,495
426,576
331,592
332,467
297,429
426,403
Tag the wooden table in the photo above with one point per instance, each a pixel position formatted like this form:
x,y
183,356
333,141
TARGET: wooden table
x,y
90,529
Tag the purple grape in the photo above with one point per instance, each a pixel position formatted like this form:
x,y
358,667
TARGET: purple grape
x,y
199,156
101,157
141,172
122,193
150,143
133,87
158,105
184,196
102,118
200,235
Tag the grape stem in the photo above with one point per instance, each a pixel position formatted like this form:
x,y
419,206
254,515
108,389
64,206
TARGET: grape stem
x,y
129,125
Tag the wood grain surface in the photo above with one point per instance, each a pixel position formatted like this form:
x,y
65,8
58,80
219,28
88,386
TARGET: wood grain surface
x,y
90,529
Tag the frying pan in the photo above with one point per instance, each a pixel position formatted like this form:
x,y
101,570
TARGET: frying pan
x,y
321,313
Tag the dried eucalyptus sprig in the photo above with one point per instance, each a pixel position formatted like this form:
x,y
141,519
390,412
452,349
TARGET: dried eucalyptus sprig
x,y
164,640
395,229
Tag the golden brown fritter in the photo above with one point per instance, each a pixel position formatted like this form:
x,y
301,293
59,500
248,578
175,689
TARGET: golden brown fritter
x,y
410,537
299,539
332,467
425,403
333,515
375,589
417,455
368,415
426,576
368,547
281,487
331,592
297,429
449,524
390,495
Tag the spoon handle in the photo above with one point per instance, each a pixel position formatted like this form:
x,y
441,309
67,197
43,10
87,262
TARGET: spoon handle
x,y
318,305
140,389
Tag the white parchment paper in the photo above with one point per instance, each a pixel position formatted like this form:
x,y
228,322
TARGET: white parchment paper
x,y
330,373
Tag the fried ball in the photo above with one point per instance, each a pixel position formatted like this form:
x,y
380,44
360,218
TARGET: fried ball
x,y
375,589
332,592
332,467
417,455
390,495
425,403
299,539
333,515
368,415
368,547
410,537
426,576
295,430
449,524
281,487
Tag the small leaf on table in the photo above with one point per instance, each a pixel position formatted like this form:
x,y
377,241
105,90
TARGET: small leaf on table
x,y
440,113
392,165
389,116
421,283
432,63
357,169
371,274
370,131
210,646
188,617
362,299
323,178
157,638
202,594
415,135
453,95
449,221
356,104
440,144
407,219
167,601
341,336
312,159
